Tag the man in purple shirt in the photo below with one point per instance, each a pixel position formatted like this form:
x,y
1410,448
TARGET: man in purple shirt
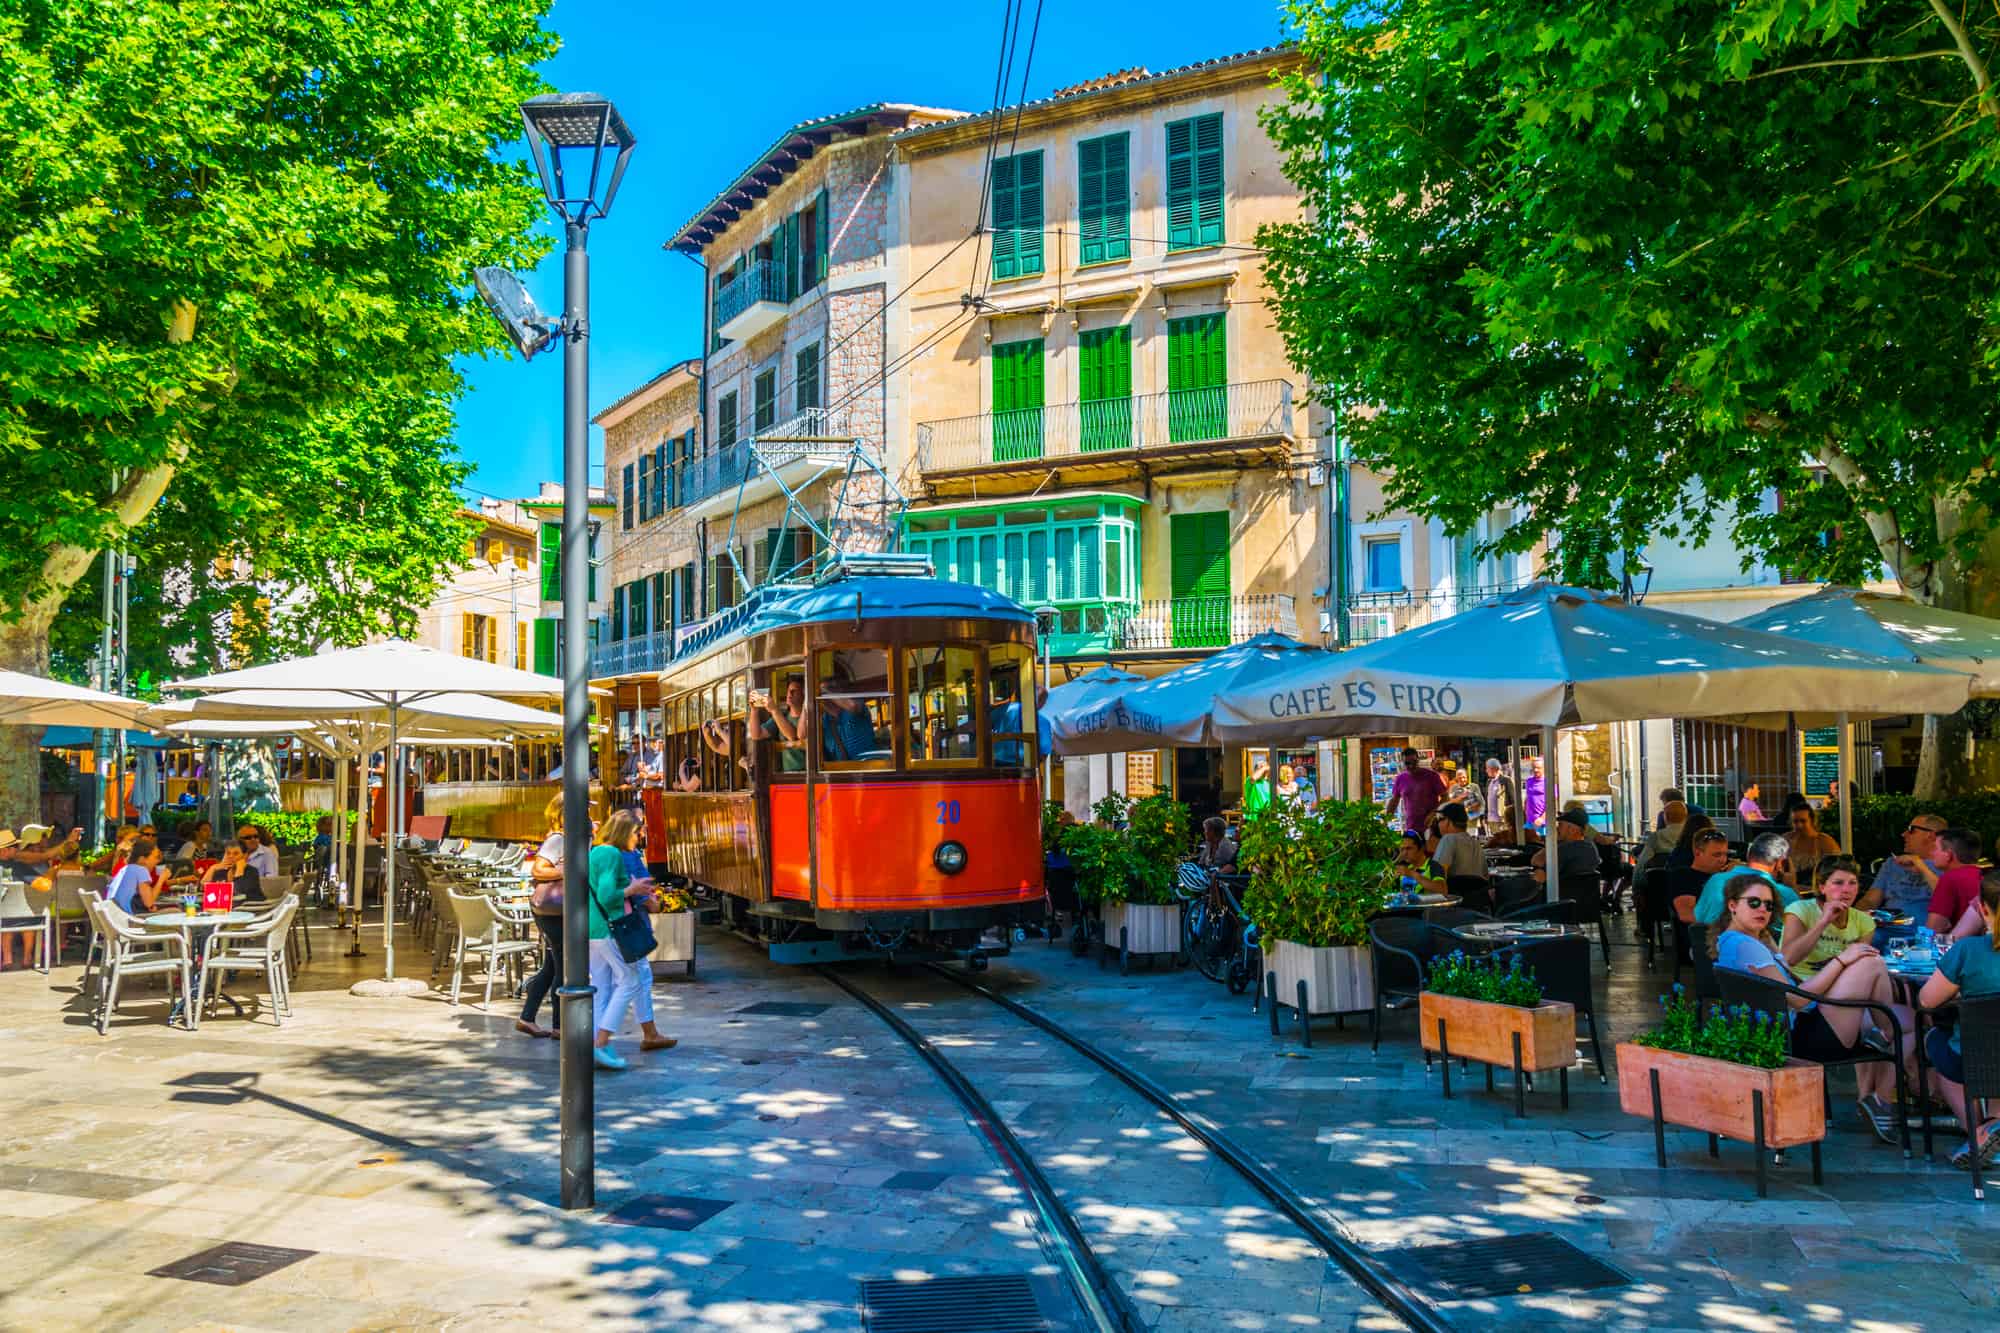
x,y
1534,797
1418,791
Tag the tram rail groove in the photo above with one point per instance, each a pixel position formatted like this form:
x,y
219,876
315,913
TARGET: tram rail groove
x,y
1102,1301
1402,1300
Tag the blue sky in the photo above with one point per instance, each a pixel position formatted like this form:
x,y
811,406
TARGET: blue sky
x,y
704,90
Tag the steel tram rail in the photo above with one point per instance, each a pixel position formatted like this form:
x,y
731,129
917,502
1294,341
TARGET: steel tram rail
x,y
1097,1292
1397,1296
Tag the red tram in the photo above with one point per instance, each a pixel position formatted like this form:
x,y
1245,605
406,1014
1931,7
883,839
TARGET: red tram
x,y
862,762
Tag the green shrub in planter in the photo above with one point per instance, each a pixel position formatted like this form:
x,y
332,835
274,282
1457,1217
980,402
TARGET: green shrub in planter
x,y
1739,1035
1317,877
1128,854
1484,979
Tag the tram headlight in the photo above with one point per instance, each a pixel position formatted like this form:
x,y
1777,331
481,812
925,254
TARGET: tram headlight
x,y
949,858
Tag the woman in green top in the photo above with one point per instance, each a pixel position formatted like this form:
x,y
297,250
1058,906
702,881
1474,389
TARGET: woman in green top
x,y
619,984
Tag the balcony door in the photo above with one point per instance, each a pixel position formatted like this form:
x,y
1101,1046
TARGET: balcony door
x,y
1200,579
1105,388
1017,400
1197,379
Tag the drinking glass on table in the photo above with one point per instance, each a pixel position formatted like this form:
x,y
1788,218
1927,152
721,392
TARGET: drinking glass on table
x,y
1899,949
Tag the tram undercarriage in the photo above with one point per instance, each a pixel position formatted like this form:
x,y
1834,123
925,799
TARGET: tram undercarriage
x,y
793,932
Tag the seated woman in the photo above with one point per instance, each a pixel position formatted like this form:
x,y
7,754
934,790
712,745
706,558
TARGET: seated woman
x,y
246,885
138,883
1818,1032
1809,848
1970,967
1827,921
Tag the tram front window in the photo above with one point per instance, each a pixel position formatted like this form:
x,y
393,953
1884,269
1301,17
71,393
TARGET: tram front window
x,y
1010,671
944,693
853,708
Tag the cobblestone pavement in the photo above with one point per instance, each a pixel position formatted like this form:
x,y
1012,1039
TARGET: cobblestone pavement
x,y
410,1146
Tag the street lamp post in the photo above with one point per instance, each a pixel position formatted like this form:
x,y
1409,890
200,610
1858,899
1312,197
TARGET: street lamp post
x,y
569,135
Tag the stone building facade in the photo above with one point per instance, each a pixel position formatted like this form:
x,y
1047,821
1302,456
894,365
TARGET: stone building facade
x,y
652,438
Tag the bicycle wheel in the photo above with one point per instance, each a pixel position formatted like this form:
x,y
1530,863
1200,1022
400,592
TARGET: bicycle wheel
x,y
1215,945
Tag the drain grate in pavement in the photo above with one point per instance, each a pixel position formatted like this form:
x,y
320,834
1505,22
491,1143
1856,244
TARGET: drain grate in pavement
x,y
666,1212
991,1303
232,1264
1494,1266
785,1008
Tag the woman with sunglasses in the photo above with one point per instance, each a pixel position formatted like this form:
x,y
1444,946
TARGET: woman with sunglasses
x,y
1818,1032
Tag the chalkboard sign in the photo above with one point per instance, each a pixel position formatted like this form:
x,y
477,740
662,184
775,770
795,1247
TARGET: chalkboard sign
x,y
1822,771
1821,738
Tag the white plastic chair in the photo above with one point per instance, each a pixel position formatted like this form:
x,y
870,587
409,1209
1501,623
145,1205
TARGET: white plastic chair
x,y
130,951
26,912
257,947
481,934
71,886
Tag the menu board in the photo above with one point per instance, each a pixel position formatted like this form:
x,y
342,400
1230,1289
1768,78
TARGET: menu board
x,y
1384,763
1142,773
1819,761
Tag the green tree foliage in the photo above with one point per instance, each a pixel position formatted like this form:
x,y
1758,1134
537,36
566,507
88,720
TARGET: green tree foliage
x,y
234,245
1635,264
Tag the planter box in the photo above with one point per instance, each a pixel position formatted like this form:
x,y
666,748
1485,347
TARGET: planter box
x,y
1722,1098
674,933
1339,980
1484,1031
1148,928
1716,1095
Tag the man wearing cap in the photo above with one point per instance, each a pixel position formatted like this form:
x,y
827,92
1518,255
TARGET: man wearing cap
x,y
1576,852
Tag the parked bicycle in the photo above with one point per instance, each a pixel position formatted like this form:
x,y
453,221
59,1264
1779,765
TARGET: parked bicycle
x,y
1214,931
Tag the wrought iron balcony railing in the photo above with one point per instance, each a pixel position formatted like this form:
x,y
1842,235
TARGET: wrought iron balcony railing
x,y
1204,622
1257,410
1377,615
761,281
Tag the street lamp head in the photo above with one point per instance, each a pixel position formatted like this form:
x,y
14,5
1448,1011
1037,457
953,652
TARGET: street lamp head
x,y
568,133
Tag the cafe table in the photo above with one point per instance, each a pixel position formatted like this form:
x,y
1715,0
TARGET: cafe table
x,y
194,930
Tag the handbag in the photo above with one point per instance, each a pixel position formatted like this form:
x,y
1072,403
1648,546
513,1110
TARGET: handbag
x,y
633,935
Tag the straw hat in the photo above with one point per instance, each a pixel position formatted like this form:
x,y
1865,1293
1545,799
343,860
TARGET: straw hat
x,y
34,833
7,839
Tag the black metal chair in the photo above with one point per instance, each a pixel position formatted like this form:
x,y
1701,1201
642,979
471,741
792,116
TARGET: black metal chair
x,y
1473,891
1768,996
1659,889
1979,1047
1562,912
1563,967
1614,876
1705,985
1451,918
1584,892
1400,948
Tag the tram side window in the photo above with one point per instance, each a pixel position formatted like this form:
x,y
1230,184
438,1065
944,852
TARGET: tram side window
x,y
943,684
853,703
739,749
1010,679
777,718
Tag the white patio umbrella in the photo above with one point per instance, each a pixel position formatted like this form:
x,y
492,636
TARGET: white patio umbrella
x,y
1175,709
1547,656
36,701
1091,688
1892,627
372,686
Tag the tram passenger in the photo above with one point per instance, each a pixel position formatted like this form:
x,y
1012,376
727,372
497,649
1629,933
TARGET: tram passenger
x,y
782,723
847,732
1007,720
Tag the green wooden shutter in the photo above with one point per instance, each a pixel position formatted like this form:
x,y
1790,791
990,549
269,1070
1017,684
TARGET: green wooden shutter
x,y
1006,263
545,647
765,405
663,487
805,378
1103,199
1028,213
1180,185
1208,180
1017,400
820,214
1199,574
625,501
1105,388
551,562
1197,378
725,421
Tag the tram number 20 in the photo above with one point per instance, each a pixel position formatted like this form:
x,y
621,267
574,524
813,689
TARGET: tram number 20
x,y
947,812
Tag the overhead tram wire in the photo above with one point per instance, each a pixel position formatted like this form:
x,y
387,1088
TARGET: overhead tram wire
x,y
985,279
1010,27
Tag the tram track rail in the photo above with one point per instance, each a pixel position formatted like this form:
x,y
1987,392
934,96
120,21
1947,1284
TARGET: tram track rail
x,y
1097,1292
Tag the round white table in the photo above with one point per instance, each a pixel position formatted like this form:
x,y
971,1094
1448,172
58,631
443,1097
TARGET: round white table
x,y
186,926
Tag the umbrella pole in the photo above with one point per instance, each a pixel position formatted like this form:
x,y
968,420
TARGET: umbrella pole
x,y
1551,807
1846,783
392,814
362,812
334,848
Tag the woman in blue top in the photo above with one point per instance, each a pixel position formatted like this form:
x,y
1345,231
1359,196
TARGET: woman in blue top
x,y
1818,1033
620,985
1972,967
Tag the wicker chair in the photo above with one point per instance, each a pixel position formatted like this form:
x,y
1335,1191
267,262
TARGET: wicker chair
x,y
1979,1047
1770,996
1585,891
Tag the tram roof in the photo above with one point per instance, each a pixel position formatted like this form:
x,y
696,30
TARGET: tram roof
x,y
780,606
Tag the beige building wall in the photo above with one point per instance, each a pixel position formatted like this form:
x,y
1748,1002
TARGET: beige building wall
x,y
661,412
958,311
499,586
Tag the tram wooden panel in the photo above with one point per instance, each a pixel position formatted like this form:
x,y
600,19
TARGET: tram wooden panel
x,y
876,840
711,837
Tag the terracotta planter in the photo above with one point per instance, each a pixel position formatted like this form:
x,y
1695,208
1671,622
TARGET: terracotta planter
x,y
1717,1096
1339,980
1148,927
1483,1031
673,933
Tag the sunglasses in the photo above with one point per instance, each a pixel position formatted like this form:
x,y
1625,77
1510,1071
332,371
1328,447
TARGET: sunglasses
x,y
1757,904
1923,828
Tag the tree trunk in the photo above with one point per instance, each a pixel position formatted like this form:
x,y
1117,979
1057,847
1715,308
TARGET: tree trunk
x,y
1945,763
24,646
